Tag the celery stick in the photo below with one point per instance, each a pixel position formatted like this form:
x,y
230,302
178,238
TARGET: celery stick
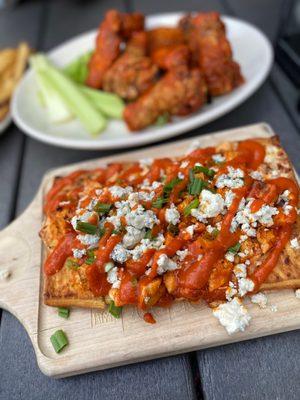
x,y
110,104
54,104
74,99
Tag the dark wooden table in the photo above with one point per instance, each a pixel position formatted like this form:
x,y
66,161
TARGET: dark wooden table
x,y
267,368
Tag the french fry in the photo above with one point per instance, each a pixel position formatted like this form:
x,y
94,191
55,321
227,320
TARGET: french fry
x,y
12,72
3,111
7,58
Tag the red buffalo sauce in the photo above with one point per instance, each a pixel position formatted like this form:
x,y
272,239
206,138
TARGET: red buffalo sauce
x,y
141,281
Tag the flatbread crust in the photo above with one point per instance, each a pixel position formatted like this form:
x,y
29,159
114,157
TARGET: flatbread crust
x,y
68,287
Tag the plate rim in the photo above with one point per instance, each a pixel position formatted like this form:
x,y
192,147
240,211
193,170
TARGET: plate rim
x,y
152,136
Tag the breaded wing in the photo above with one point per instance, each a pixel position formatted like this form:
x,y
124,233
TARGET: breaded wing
x,y
132,73
115,28
206,36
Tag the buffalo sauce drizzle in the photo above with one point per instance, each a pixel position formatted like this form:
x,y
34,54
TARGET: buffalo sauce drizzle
x,y
194,274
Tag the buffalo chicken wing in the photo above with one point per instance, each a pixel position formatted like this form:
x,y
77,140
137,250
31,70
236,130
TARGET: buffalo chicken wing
x,y
206,36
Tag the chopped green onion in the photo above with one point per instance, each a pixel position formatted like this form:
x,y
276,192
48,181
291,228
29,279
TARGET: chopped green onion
x,y
196,186
86,227
148,234
90,257
114,310
234,249
170,186
63,312
70,263
208,172
173,229
215,233
159,202
108,266
102,208
188,208
59,340
101,232
162,119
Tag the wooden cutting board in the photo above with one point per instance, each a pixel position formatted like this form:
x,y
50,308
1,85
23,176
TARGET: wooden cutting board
x,y
96,339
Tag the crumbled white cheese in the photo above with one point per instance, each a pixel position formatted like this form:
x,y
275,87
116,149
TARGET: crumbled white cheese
x,y
256,175
132,236
165,264
248,220
245,285
240,270
295,244
141,218
230,291
210,229
119,254
297,293
115,220
260,299
229,196
182,254
190,230
112,277
78,253
229,256
172,215
157,243
118,191
233,316
210,206
180,175
233,179
218,158
184,164
88,240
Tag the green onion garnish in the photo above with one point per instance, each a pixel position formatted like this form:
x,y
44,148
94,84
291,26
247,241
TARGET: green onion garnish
x,y
114,310
170,186
59,340
208,172
196,186
102,208
188,208
86,227
90,259
162,119
234,249
159,202
215,233
148,234
72,264
63,312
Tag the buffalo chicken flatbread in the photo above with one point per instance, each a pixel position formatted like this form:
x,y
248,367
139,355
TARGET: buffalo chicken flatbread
x,y
219,223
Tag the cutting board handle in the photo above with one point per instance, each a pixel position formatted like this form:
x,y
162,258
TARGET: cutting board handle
x,y
20,259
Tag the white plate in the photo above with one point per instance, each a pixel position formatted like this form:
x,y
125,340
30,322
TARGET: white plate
x,y
251,49
5,123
